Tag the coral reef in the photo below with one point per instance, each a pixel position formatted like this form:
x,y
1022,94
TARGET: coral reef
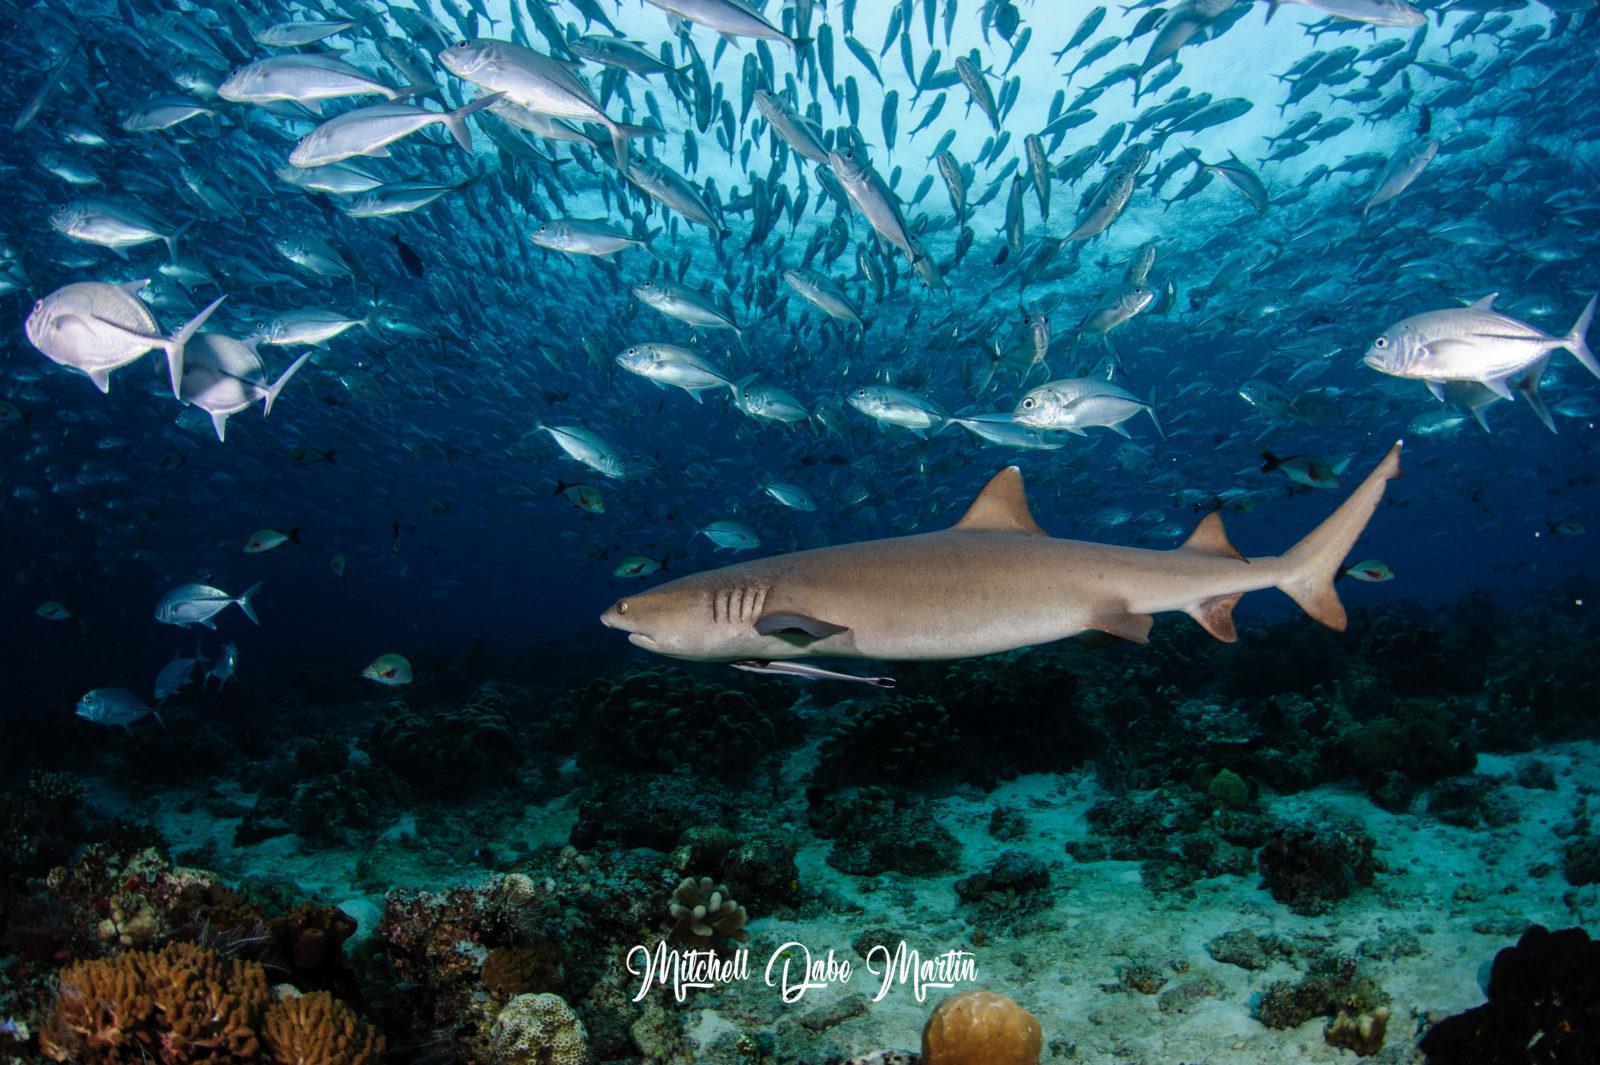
x,y
449,751
1580,864
1333,987
703,915
511,971
1016,884
1543,1006
977,1027
1179,833
649,810
661,719
318,1029
874,833
310,937
180,1005
106,901
897,739
187,1005
1308,869
539,1030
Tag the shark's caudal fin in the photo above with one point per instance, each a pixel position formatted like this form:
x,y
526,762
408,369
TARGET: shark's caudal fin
x,y
1312,564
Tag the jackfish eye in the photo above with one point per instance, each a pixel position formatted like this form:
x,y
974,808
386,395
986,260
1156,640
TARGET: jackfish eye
x,y
1029,403
861,393
1381,343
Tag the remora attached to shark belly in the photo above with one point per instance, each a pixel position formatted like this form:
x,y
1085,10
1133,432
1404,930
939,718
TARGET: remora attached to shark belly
x,y
992,582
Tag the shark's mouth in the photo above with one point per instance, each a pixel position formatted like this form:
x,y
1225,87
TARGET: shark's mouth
x,y
639,639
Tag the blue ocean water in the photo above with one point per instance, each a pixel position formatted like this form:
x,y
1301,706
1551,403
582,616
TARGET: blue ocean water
x,y
1308,177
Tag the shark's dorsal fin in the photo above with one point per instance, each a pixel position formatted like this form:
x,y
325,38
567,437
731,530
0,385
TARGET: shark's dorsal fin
x,y
1209,536
1002,506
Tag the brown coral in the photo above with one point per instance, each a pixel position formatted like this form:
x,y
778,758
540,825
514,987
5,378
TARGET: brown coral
x,y
704,914
182,1004
318,1029
980,1028
522,970
310,937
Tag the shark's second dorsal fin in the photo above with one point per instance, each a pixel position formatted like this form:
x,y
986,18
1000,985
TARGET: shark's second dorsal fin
x,y
1002,506
1210,537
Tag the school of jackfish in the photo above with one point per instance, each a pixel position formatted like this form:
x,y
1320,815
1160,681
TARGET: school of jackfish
x,y
860,249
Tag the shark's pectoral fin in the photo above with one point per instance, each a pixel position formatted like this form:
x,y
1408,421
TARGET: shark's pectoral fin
x,y
1212,539
792,623
1131,627
1216,616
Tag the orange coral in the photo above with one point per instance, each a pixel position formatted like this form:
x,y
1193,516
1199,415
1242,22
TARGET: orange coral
x,y
182,1004
318,1029
980,1028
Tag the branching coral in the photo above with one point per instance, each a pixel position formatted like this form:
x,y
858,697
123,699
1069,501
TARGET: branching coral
x,y
188,1005
182,1005
703,915
318,1029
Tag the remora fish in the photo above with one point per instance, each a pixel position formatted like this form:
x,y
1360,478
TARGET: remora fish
x,y
993,582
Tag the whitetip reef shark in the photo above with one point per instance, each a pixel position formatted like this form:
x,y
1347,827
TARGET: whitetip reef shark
x,y
992,582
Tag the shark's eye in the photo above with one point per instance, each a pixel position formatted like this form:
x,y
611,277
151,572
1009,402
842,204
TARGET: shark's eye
x,y
622,607
1381,343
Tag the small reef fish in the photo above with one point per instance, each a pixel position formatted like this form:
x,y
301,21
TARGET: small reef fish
x,y
641,566
583,496
51,610
1372,571
263,540
393,670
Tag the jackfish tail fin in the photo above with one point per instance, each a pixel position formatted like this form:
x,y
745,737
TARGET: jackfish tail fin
x,y
244,602
276,389
456,121
1311,565
1576,341
174,346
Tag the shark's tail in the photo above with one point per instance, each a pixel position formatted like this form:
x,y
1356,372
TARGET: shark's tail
x,y
1311,565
